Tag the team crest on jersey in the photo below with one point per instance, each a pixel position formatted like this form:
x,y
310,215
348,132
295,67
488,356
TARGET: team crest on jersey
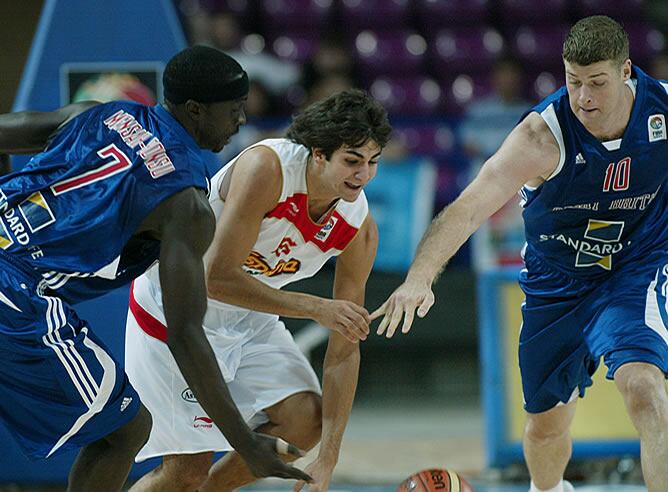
x,y
656,127
36,212
323,233
600,231
258,265
5,239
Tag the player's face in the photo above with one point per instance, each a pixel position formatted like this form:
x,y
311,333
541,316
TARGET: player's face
x,y
351,168
219,122
596,93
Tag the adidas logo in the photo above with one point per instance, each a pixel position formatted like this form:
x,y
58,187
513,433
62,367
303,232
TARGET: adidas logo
x,y
126,401
579,159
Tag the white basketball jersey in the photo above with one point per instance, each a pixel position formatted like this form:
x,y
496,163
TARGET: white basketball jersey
x,y
290,245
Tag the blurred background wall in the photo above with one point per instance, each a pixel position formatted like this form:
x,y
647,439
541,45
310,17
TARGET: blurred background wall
x,y
455,75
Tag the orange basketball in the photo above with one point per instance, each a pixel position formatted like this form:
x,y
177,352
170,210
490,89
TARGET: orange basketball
x,y
435,481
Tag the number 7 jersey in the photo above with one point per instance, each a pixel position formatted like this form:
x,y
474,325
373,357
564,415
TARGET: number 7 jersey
x,y
70,212
605,204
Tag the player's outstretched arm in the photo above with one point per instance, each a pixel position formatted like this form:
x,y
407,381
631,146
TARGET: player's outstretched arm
x,y
529,154
186,231
27,132
342,360
254,190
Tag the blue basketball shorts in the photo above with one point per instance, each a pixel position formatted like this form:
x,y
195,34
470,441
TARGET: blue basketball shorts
x,y
569,324
60,386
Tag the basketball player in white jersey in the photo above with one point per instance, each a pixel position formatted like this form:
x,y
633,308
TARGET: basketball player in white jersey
x,y
284,207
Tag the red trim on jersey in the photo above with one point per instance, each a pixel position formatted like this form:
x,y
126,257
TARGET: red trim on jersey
x,y
295,209
146,321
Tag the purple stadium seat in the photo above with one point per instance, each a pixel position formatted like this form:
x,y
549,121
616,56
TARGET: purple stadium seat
x,y
408,95
297,47
617,9
437,141
644,41
465,50
461,90
515,12
285,15
540,47
436,14
374,14
396,52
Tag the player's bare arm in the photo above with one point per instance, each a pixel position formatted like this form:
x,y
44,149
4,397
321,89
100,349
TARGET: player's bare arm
x,y
529,155
186,228
258,169
342,359
27,132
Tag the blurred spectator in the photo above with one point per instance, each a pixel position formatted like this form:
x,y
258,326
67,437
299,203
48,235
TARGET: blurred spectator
x,y
659,66
225,33
330,70
5,164
487,122
484,127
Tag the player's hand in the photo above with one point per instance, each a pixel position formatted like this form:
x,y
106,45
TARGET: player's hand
x,y
263,458
346,317
321,473
403,302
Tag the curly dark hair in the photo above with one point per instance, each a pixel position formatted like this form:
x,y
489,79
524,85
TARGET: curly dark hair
x,y
351,117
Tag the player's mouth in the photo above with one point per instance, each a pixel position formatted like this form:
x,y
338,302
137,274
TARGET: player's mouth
x,y
352,186
588,111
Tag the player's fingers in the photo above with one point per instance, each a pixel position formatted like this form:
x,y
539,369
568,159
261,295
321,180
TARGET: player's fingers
x,y
426,305
408,320
383,324
361,310
378,312
284,447
298,486
358,324
292,472
347,333
397,313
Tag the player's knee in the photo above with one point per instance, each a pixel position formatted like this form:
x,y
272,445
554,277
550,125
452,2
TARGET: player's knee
x,y
542,428
310,405
303,414
642,392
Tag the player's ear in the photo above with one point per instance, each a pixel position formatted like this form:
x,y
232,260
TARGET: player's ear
x,y
318,156
626,69
193,108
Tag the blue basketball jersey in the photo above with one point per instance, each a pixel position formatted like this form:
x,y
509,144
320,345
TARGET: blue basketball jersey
x,y
605,204
69,214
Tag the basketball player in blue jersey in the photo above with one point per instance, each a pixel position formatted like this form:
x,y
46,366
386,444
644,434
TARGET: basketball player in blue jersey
x,y
591,162
114,188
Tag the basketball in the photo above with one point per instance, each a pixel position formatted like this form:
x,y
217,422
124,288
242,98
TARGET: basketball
x,y
434,480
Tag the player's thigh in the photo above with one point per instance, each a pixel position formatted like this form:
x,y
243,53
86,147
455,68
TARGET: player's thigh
x,y
273,369
555,362
633,327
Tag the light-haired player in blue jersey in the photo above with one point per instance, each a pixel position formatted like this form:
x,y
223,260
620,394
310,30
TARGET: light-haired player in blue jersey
x,y
591,162
114,188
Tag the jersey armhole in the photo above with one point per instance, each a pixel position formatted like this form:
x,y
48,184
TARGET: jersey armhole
x,y
549,115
